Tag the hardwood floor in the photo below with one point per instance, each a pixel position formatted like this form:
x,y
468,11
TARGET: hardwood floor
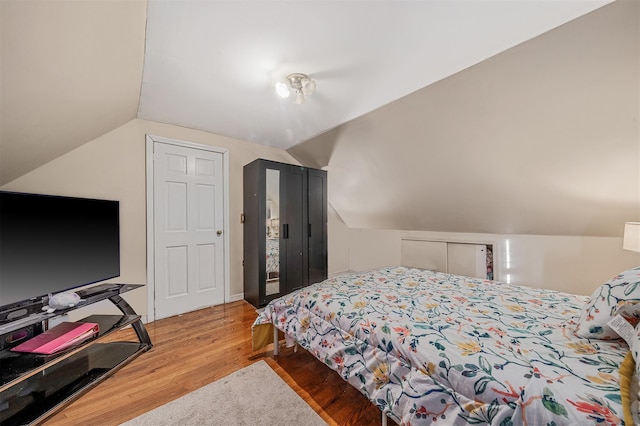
x,y
197,348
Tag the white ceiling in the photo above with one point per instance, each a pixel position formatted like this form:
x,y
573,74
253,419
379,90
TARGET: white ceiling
x,y
212,65
72,70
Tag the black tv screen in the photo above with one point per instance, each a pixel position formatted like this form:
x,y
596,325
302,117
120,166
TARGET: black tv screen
x,y
50,244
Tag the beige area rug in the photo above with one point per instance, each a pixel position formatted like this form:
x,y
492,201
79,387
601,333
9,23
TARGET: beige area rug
x,y
254,396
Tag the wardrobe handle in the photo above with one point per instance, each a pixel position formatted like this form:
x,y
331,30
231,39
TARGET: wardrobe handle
x,y
285,231
309,231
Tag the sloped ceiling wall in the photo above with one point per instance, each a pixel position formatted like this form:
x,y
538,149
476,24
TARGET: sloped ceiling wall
x,y
541,139
70,72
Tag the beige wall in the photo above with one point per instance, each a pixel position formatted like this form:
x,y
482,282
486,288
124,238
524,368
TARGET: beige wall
x,y
113,167
564,263
70,72
538,142
542,139
338,241
536,149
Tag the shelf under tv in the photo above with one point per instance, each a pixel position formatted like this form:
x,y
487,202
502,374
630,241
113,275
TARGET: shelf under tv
x,y
34,387
88,296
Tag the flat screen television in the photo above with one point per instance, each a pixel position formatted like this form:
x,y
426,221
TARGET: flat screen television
x,y
50,244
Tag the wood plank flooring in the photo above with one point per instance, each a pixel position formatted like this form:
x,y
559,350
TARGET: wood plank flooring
x,y
197,348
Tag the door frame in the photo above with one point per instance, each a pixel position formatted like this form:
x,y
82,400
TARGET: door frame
x,y
151,285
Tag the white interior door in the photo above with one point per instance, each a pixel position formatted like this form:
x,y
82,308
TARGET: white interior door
x,y
188,223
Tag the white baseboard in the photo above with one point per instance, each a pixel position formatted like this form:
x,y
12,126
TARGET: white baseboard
x,y
235,297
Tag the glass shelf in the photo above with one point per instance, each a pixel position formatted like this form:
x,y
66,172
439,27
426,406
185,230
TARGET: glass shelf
x,y
88,295
17,365
33,387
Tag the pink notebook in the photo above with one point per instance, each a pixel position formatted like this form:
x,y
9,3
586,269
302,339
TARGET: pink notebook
x,y
60,337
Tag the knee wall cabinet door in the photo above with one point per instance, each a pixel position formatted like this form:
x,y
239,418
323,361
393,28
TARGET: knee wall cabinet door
x,y
285,229
468,259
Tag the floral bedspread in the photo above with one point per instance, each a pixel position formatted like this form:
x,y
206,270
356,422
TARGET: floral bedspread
x,y
434,348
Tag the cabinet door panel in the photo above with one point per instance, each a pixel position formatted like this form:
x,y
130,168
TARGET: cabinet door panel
x,y
252,266
469,260
297,223
430,255
317,198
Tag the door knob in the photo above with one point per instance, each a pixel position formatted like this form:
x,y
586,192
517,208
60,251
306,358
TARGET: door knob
x,y
219,232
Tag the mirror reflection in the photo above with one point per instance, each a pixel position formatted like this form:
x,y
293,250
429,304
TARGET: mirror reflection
x,y
273,232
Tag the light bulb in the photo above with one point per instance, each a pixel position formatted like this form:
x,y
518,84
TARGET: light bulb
x,y
299,97
308,87
281,90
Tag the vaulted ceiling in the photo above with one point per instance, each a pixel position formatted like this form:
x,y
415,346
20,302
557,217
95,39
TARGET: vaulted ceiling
x,y
542,139
74,70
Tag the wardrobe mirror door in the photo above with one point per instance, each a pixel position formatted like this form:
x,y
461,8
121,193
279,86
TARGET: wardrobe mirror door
x,y
273,232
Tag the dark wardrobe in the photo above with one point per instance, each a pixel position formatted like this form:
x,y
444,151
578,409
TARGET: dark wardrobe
x,y
285,229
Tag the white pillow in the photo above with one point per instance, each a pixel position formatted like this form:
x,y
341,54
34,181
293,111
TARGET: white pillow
x,y
621,294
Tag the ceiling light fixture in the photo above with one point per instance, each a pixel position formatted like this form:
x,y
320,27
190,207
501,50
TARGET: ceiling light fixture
x,y
301,84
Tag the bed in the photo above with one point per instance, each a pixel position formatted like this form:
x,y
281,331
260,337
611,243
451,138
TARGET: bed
x,y
434,348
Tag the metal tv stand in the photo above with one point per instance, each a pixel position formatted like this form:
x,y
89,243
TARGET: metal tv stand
x,y
33,387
